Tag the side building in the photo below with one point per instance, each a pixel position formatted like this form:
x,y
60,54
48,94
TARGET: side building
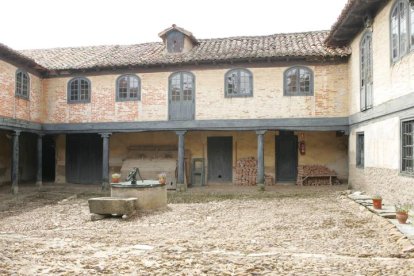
x,y
381,77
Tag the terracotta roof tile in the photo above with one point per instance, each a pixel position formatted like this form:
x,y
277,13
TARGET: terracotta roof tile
x,y
307,44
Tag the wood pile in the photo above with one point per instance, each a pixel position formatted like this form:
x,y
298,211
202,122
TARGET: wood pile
x,y
246,173
315,175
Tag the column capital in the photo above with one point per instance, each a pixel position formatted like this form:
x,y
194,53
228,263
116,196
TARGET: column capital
x,y
181,132
16,132
105,134
261,132
40,134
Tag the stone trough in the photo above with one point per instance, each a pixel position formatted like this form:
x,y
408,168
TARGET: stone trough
x,y
127,198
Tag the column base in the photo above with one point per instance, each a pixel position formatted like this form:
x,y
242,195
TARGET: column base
x,y
261,186
105,186
181,187
39,184
14,190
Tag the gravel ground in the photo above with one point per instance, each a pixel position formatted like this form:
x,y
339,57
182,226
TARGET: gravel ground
x,y
283,231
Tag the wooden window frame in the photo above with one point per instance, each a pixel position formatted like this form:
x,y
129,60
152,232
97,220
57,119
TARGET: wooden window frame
x,y
409,21
407,150
238,95
366,67
297,92
360,150
19,84
128,98
69,90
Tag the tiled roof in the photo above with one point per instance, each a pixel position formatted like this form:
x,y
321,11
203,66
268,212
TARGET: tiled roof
x,y
351,20
8,52
307,44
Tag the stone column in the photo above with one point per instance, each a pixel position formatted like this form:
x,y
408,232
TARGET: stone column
x,y
15,163
105,160
39,159
260,159
181,186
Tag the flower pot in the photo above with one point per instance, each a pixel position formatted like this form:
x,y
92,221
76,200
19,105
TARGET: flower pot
x,y
162,181
115,180
377,203
402,217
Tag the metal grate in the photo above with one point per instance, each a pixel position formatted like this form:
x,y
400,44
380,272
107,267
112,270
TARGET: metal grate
x,y
407,161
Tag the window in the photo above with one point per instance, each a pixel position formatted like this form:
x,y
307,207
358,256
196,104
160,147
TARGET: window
x,y
366,71
407,150
22,84
360,150
128,88
298,81
238,83
79,90
182,86
399,29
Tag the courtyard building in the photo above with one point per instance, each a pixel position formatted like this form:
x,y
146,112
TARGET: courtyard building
x,y
195,107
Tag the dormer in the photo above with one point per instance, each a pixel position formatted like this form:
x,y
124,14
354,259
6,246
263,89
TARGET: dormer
x,y
177,40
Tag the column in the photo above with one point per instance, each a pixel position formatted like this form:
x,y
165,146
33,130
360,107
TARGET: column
x,y
105,160
15,163
180,165
39,160
260,159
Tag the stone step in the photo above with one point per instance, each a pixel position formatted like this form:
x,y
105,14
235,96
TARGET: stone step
x,y
113,205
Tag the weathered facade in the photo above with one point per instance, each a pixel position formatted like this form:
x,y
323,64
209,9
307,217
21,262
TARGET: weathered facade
x,y
216,100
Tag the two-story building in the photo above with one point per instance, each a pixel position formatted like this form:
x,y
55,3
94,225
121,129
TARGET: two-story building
x,y
76,115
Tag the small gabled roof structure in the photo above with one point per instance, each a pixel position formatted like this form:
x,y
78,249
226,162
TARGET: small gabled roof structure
x,y
174,27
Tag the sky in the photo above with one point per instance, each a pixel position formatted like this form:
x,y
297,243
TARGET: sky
x,y
34,24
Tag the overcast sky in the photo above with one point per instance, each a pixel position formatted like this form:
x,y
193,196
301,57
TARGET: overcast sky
x,y
30,24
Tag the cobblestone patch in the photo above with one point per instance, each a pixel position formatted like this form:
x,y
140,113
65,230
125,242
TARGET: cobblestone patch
x,y
323,234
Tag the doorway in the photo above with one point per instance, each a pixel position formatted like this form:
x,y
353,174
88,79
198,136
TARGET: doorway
x,y
220,159
286,156
84,158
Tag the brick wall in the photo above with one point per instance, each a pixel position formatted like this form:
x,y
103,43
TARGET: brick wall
x,y
15,107
330,98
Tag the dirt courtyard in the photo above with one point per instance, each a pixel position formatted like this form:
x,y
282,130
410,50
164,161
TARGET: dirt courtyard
x,y
205,231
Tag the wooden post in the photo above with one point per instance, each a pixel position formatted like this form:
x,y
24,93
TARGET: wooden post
x,y
15,163
39,160
105,160
180,165
260,159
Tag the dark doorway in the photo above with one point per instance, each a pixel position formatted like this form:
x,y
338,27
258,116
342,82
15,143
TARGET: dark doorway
x,y
84,158
48,158
286,156
220,158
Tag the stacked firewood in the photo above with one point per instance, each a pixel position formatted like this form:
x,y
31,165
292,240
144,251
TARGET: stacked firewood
x,y
246,173
315,175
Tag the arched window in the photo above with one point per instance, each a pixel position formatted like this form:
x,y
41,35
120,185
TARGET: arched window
x,y
128,88
79,90
298,81
366,80
238,83
22,84
399,29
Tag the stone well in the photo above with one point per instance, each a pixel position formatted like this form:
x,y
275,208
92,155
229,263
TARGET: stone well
x,y
150,194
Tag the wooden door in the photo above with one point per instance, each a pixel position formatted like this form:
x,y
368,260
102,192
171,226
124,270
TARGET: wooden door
x,y
181,96
220,158
286,156
84,158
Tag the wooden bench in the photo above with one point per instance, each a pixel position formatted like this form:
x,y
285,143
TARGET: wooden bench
x,y
304,177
